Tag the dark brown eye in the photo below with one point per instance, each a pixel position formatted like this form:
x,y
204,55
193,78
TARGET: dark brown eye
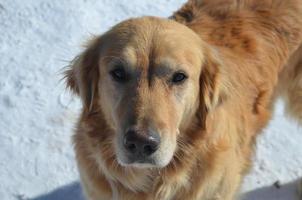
x,y
119,75
179,77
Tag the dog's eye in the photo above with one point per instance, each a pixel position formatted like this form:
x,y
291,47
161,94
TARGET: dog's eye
x,y
179,77
119,75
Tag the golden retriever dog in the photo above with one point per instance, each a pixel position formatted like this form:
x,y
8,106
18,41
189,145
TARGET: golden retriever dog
x,y
172,107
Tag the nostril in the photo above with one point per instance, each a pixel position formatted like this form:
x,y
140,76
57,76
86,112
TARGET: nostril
x,y
129,143
149,149
131,147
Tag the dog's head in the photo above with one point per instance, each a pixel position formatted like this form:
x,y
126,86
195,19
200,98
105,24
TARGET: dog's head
x,y
150,78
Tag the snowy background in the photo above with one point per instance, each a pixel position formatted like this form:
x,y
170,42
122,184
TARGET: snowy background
x,y
37,38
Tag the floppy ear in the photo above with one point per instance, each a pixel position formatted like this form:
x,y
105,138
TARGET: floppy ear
x,y
82,75
212,85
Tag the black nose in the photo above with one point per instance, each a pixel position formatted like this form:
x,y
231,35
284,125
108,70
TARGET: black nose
x,y
141,144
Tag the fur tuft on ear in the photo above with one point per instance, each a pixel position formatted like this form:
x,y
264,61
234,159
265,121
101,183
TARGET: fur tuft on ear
x,y
212,85
186,13
82,74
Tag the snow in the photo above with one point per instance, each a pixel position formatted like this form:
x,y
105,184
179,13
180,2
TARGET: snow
x,y
37,114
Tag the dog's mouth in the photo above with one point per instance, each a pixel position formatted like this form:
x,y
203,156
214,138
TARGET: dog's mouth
x,y
140,162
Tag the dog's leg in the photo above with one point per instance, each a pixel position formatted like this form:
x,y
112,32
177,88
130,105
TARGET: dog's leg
x,y
230,188
90,192
290,86
230,182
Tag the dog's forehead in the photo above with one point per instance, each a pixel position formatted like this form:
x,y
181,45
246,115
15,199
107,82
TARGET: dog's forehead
x,y
161,62
146,42
167,57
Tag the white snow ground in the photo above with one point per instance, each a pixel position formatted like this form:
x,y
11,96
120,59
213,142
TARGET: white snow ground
x,y
37,38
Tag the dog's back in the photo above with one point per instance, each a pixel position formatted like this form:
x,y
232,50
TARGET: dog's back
x,y
278,19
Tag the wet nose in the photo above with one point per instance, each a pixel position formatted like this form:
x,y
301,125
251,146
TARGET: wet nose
x,y
141,144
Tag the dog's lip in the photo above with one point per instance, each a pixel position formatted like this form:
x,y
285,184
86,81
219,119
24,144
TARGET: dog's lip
x,y
139,164
141,160
136,161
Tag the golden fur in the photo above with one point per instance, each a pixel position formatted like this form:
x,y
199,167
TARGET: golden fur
x,y
239,56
